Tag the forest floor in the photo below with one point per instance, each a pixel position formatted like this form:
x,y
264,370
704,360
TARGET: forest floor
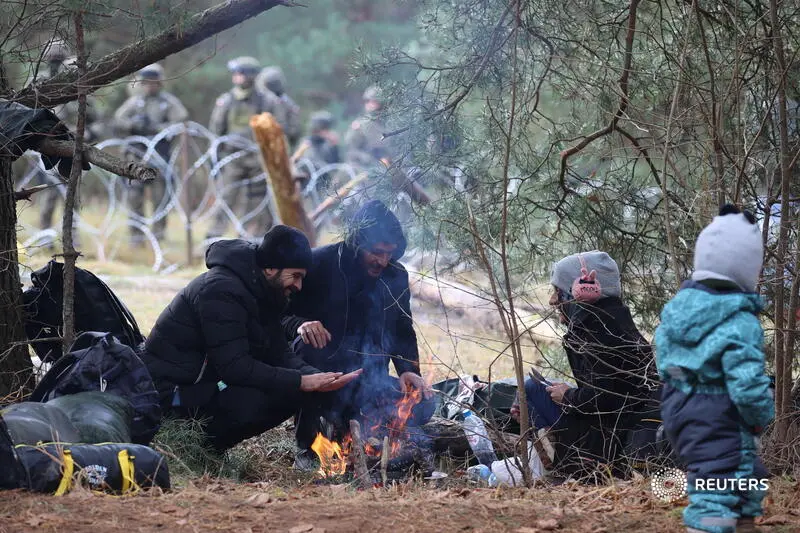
x,y
278,499
209,504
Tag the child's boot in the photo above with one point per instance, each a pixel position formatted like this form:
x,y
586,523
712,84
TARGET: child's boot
x,y
746,524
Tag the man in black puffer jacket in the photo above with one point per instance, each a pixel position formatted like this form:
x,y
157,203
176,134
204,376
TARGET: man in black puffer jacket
x,y
355,313
218,351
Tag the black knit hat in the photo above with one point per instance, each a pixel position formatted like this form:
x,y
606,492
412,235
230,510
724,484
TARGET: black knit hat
x,y
284,247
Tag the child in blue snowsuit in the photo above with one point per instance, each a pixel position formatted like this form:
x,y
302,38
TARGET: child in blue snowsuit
x,y
709,353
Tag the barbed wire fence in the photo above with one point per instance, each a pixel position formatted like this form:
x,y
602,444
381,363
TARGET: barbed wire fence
x,y
195,192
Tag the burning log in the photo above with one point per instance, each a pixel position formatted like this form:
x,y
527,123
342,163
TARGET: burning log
x,y
357,456
385,459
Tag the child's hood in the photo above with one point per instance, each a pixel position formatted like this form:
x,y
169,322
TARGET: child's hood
x,y
697,310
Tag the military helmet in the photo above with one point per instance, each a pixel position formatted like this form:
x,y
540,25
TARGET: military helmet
x,y
56,50
372,93
151,72
273,79
321,120
249,66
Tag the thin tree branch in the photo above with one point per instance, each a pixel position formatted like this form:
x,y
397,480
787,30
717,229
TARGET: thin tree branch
x,y
76,171
623,101
450,107
63,87
104,160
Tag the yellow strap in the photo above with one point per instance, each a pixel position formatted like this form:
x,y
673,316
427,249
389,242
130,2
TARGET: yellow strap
x,y
66,474
128,470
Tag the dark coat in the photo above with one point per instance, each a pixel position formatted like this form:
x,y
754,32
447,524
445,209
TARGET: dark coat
x,y
369,320
223,326
614,368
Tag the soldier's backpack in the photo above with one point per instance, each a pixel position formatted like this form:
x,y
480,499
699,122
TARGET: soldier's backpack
x,y
97,308
98,361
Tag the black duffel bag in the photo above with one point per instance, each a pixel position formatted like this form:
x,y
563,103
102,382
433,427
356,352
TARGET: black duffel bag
x,y
113,468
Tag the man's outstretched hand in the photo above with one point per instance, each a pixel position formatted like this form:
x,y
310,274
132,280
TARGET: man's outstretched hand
x,y
410,380
314,333
327,381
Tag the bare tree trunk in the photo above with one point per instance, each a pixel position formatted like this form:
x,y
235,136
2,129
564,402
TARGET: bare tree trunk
x,y
15,363
783,368
70,255
516,348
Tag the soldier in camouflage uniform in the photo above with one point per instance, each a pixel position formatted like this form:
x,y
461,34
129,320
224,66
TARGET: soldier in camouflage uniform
x,y
365,143
271,79
147,112
56,56
322,146
231,116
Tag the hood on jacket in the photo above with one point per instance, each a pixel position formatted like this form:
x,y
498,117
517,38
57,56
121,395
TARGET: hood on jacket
x,y
697,310
239,256
374,223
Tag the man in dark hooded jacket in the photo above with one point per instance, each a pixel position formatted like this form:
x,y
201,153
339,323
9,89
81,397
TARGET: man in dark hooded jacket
x,y
218,351
355,313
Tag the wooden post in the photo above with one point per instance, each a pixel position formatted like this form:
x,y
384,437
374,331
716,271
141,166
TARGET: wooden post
x,y
275,160
359,457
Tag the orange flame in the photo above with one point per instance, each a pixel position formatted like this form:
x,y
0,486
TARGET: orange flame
x,y
398,424
332,456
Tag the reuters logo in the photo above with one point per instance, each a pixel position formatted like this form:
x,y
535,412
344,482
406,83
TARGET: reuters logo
x,y
669,484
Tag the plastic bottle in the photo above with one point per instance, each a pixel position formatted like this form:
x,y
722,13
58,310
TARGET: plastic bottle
x,y
482,474
478,438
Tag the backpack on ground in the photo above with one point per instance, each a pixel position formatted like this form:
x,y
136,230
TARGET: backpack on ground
x,y
97,308
98,361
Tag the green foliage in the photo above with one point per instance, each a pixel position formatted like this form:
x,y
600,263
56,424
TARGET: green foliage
x,y
570,60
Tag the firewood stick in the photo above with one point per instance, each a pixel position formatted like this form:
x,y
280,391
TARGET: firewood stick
x,y
343,191
302,149
541,443
358,456
385,452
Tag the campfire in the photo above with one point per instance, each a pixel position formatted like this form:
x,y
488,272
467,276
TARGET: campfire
x,y
387,451
332,455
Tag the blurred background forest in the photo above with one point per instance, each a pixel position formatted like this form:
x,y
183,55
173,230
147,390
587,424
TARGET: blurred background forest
x,y
314,45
